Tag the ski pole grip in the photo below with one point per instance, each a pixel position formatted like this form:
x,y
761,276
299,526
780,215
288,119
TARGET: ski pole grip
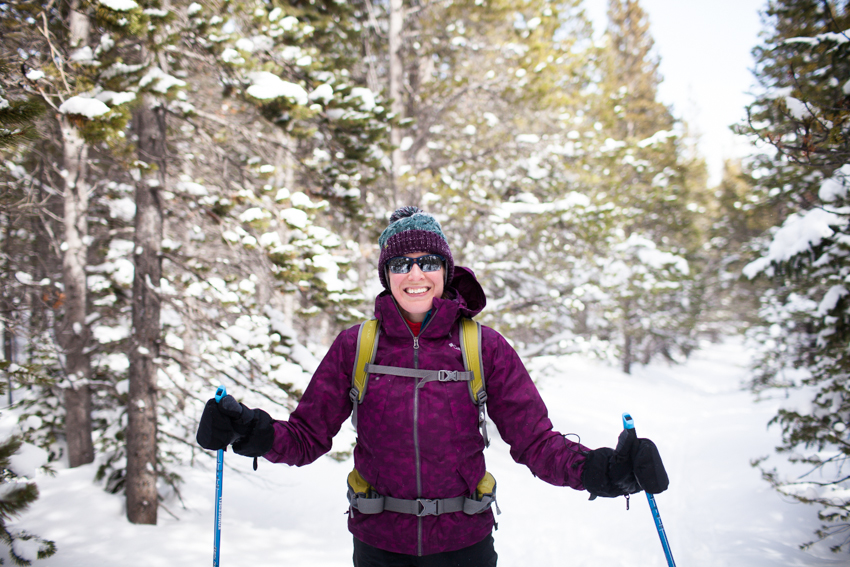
x,y
220,393
628,422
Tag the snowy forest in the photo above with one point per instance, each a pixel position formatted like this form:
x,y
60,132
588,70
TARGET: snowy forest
x,y
192,194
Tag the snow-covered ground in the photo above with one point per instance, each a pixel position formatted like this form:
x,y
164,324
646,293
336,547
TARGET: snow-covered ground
x,y
717,512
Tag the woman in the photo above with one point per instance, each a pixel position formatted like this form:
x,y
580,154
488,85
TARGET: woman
x,y
419,447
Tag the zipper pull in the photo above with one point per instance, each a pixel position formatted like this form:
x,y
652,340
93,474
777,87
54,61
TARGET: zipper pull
x,y
416,343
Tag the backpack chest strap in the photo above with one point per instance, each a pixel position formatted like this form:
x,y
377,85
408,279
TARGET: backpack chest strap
x,y
425,376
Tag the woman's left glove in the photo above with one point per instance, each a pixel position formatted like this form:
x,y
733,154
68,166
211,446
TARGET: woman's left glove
x,y
633,466
228,422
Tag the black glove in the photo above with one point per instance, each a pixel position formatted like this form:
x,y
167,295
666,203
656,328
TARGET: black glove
x,y
610,472
227,422
649,470
633,466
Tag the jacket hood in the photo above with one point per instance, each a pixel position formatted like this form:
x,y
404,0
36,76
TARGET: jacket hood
x,y
467,287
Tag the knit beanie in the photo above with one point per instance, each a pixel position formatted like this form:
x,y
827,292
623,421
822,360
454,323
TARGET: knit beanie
x,y
413,230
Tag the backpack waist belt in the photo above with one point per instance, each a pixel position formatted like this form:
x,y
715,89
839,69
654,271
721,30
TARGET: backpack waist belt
x,y
363,498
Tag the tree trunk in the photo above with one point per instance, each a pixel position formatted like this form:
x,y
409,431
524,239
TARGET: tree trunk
x,y
628,338
149,123
74,334
8,315
396,89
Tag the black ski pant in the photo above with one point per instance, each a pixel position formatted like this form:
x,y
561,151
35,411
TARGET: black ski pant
x,y
482,554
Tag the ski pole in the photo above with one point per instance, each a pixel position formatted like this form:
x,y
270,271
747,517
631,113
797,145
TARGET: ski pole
x,y
219,476
629,423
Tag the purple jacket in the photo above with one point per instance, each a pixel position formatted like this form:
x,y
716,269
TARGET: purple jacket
x,y
426,443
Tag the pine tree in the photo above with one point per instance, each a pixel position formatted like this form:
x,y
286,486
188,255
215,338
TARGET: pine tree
x,y
655,189
18,113
18,493
802,113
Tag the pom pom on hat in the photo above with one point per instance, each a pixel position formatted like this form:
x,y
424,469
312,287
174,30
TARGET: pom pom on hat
x,y
410,218
413,230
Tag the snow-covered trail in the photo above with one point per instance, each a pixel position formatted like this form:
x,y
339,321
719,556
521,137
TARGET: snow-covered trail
x,y
717,512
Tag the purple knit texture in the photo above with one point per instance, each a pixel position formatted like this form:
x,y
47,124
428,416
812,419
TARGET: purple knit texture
x,y
446,455
415,241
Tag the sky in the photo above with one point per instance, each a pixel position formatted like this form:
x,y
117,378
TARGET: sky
x,y
704,46
718,512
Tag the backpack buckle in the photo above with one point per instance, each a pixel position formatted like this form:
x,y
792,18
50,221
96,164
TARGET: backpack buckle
x,y
447,375
426,507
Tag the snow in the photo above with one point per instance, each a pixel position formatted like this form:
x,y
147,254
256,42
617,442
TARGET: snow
x,y
329,272
268,86
797,108
119,5
27,549
659,137
161,80
649,254
230,55
301,200
82,55
835,187
123,209
123,272
115,99
323,93
254,214
798,234
192,188
24,278
28,460
718,511
367,98
831,299
84,106
104,334
270,240
294,217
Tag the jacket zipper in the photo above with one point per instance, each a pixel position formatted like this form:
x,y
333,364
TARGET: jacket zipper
x,y
416,433
416,445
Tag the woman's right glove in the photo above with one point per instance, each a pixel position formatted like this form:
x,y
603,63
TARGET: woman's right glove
x,y
633,466
227,422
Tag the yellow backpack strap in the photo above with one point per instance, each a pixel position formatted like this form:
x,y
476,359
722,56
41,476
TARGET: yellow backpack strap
x,y
367,346
470,345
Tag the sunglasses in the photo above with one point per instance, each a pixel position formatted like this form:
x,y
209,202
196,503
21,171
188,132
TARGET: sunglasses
x,y
403,264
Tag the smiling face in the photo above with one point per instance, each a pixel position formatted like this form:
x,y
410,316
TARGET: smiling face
x,y
415,291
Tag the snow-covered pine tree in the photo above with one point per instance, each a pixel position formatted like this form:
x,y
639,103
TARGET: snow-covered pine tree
x,y
492,96
655,188
802,113
18,117
18,493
